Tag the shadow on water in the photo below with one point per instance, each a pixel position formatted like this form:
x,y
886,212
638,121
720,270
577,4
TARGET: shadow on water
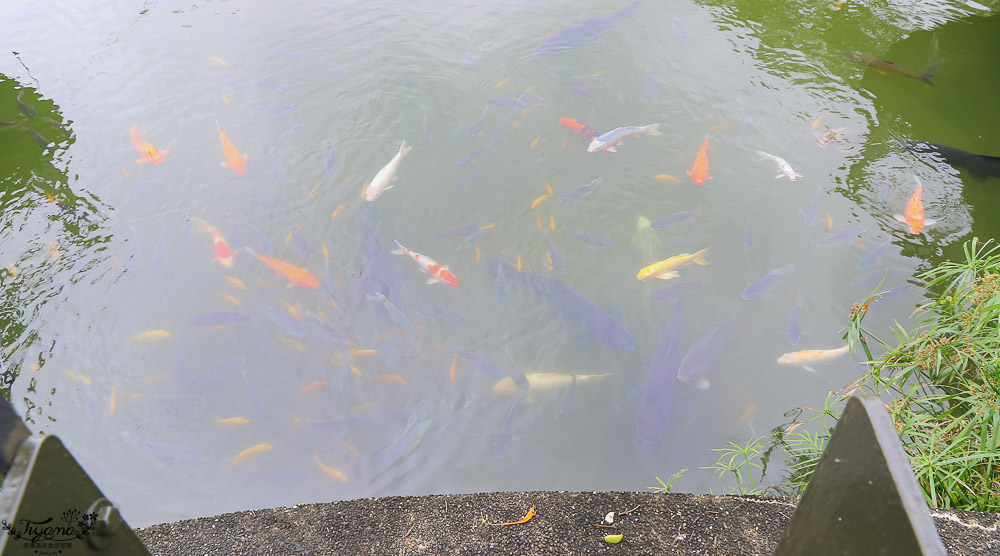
x,y
50,234
956,44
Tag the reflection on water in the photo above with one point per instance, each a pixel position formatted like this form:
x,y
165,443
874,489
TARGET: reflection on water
x,y
233,329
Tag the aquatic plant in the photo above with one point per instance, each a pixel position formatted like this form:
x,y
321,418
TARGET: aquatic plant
x,y
940,384
740,460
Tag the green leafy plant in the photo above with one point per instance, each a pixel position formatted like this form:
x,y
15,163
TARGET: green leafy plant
x,y
941,383
741,462
668,486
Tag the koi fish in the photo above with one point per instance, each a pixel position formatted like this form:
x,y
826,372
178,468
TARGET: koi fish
x,y
581,191
330,472
381,180
436,271
395,313
664,269
249,452
585,132
805,358
768,281
885,66
234,160
608,140
784,168
148,152
222,251
542,382
151,335
699,172
575,36
297,276
914,215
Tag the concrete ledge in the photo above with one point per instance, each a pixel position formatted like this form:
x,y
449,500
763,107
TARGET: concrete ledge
x,y
565,523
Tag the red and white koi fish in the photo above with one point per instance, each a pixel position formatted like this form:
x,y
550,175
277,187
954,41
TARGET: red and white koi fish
x,y
222,251
436,271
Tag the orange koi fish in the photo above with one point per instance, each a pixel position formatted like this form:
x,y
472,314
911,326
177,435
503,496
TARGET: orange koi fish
x,y
222,251
436,271
699,172
297,276
914,215
234,160
148,152
585,132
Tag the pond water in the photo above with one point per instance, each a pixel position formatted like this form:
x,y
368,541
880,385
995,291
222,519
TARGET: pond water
x,y
206,340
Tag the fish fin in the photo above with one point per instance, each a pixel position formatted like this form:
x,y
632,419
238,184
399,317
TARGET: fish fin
x,y
611,149
808,368
400,251
929,71
251,251
403,149
433,280
779,176
703,384
899,217
799,175
699,257
653,129
929,222
667,275
763,155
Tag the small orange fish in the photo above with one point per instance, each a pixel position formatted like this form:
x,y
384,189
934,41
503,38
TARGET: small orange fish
x,y
222,251
454,366
314,385
914,215
390,379
234,160
699,172
297,276
149,152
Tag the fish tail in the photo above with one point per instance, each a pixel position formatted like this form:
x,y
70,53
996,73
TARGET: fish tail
x,y
653,129
403,149
929,71
627,11
764,156
251,251
699,257
400,251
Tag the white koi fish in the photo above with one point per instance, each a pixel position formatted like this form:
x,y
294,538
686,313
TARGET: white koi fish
x,y
436,271
804,358
784,168
384,176
607,141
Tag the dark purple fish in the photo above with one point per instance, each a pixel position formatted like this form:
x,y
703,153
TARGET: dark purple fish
x,y
468,57
843,235
567,399
573,306
701,355
217,318
406,440
526,99
263,245
652,87
515,372
585,80
580,33
333,67
657,400
284,321
590,238
747,237
443,112
407,82
376,273
794,335
810,217
299,240
446,314
770,280
885,191
501,284
477,126
506,431
481,363
425,135
501,127
873,256
580,192
557,261
324,329
467,177
473,155
744,117
675,218
469,240
583,93
460,231
680,29
504,101
331,156
675,290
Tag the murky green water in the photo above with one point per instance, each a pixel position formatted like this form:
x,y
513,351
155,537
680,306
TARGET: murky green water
x,y
108,263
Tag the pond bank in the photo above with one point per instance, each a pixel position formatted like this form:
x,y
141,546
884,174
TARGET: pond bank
x,y
565,523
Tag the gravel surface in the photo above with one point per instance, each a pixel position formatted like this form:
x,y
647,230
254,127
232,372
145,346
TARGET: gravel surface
x,y
564,523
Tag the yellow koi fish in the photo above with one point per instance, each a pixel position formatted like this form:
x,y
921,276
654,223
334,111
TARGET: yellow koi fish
x,y
664,269
540,382
151,335
248,453
330,471
233,421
